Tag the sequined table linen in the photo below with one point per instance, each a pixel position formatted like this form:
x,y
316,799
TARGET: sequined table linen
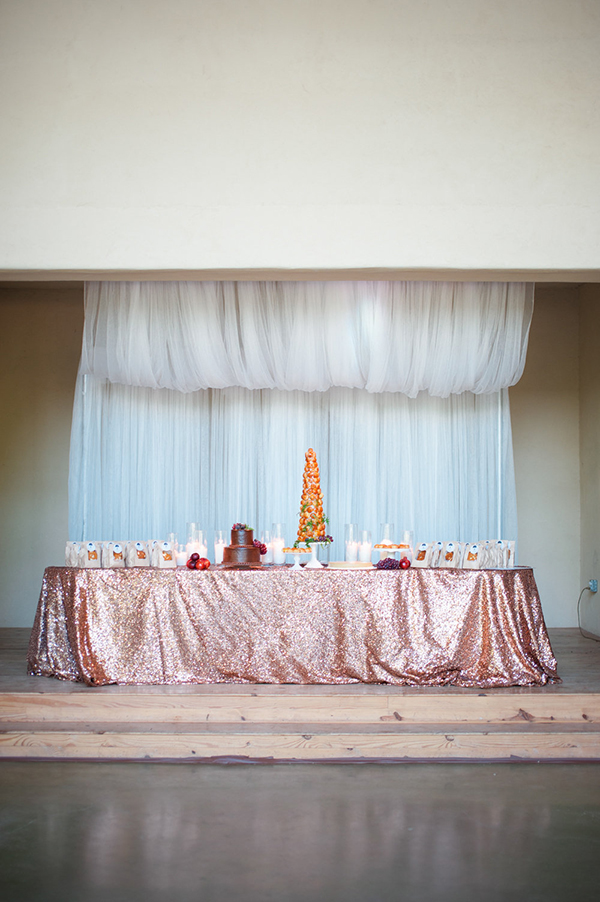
x,y
480,628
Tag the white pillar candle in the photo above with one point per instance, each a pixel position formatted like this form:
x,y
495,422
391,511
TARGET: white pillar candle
x,y
181,558
192,547
351,551
219,548
364,552
278,555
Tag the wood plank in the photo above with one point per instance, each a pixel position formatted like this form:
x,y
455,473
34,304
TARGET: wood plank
x,y
232,708
298,747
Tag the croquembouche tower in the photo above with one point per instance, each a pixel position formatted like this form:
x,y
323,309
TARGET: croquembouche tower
x,y
313,524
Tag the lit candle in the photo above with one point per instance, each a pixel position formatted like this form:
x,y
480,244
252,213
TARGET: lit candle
x,y
181,557
364,552
278,546
351,551
220,544
195,543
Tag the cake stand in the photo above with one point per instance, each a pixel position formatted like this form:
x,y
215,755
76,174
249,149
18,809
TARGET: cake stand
x,y
296,555
314,563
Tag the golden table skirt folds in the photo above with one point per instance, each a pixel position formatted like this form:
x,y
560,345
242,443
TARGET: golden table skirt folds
x,y
472,628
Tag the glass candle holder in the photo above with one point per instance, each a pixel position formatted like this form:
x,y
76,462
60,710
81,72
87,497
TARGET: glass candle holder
x,y
365,546
351,542
407,543
196,542
386,531
265,538
278,543
219,545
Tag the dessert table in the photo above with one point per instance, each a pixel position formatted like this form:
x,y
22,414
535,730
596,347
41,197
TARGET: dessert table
x,y
471,628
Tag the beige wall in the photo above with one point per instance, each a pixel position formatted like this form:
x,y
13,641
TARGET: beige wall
x,y
201,134
40,338
590,452
545,421
40,343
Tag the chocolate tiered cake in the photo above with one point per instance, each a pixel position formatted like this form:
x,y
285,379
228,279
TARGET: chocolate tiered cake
x,y
242,552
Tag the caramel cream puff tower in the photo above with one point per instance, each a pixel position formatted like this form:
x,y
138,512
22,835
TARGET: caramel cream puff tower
x,y
312,522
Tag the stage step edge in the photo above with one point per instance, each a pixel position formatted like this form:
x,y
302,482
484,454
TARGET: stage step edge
x,y
322,745
140,707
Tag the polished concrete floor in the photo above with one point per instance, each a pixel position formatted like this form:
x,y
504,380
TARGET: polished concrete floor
x,y
299,833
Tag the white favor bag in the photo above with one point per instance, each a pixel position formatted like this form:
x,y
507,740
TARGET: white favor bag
x,y
500,556
509,560
422,556
114,555
72,551
484,555
90,555
436,553
163,556
450,555
494,554
471,557
136,555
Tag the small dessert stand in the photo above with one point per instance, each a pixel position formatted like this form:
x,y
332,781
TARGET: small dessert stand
x,y
296,554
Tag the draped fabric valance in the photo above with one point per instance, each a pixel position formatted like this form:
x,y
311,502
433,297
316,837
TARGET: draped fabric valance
x,y
441,337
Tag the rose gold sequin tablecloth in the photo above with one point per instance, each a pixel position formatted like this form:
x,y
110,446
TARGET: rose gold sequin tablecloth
x,y
480,628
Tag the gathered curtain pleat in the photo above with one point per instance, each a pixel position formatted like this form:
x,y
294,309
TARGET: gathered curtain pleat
x,y
440,337
197,402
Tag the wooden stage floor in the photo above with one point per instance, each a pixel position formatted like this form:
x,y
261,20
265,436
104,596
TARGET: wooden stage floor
x,y
43,718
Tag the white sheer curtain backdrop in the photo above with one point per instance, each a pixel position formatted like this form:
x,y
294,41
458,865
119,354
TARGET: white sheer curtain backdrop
x,y
152,447
439,337
144,462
